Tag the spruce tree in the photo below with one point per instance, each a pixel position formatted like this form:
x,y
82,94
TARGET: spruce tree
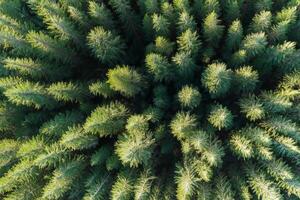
x,y
149,99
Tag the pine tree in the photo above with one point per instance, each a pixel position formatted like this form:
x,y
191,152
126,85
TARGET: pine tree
x,y
62,180
125,80
217,79
57,125
30,94
107,47
220,117
46,46
149,99
164,46
261,22
134,149
252,108
76,139
161,98
101,88
33,68
189,42
183,124
186,183
185,64
97,185
101,15
212,30
159,66
63,91
254,43
189,97
234,35
246,79
160,25
107,120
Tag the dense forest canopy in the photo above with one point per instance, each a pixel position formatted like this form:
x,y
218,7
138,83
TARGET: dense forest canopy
x,y
149,99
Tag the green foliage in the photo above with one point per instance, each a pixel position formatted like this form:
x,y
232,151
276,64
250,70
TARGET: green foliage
x,y
12,39
252,108
63,28
76,139
232,9
189,42
159,66
274,102
189,97
137,124
242,146
9,149
31,148
261,21
161,98
62,180
142,187
9,117
49,47
21,173
262,187
33,68
217,79
63,91
51,156
113,163
134,148
30,94
101,155
245,80
213,153
98,185
101,88
250,142
212,30
281,125
220,117
101,15
164,46
160,25
106,46
183,124
186,22
127,17
125,80
204,7
122,188
184,63
223,189
107,120
149,99
234,35
254,43
186,183
60,123
8,82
